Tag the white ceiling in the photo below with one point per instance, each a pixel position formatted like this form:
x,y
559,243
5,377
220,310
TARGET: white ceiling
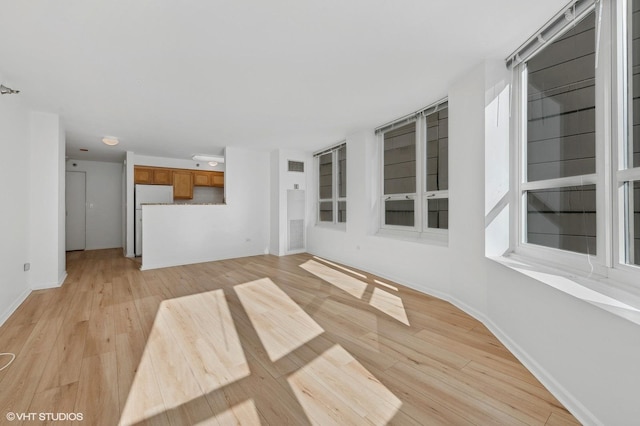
x,y
174,78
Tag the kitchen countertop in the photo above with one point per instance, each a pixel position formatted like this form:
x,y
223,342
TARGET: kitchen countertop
x,y
183,204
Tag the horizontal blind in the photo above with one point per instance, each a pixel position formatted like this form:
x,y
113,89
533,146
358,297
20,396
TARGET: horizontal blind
x,y
331,149
434,107
570,14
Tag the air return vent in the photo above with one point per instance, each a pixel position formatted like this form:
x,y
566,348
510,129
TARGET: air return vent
x,y
296,166
296,234
295,219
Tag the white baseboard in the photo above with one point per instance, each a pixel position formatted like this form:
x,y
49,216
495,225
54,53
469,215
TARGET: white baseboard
x,y
571,403
576,408
44,286
12,308
63,277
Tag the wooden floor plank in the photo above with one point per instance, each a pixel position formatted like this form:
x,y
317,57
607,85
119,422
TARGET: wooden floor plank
x,y
259,340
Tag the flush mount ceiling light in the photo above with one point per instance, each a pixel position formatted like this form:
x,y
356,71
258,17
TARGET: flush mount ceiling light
x,y
110,140
209,158
213,163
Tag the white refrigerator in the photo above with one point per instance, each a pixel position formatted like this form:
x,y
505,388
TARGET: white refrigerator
x,y
148,194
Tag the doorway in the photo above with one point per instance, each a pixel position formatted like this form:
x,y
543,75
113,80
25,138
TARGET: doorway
x,y
76,220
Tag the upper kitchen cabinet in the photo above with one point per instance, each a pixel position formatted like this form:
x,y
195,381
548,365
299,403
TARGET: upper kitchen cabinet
x,y
183,180
162,177
152,175
202,178
182,184
217,179
208,178
143,175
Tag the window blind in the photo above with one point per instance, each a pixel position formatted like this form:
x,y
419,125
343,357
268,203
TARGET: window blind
x,y
330,149
570,14
434,107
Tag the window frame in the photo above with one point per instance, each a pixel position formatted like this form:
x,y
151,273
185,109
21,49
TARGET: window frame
x,y
421,197
577,261
335,192
613,135
624,172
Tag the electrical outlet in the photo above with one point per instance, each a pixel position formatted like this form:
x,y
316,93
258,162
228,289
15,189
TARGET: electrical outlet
x,y
27,266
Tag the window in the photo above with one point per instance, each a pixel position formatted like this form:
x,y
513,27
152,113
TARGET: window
x,y
559,181
415,171
578,127
628,178
332,184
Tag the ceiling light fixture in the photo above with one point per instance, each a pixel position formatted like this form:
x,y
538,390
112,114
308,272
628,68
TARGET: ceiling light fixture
x,y
208,158
213,163
110,140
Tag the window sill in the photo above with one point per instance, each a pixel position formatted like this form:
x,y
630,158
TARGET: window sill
x,y
335,226
599,291
440,239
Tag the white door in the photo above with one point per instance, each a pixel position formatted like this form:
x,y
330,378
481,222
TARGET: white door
x,y
75,195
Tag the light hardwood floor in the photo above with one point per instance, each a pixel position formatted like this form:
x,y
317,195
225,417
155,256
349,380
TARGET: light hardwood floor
x,y
291,340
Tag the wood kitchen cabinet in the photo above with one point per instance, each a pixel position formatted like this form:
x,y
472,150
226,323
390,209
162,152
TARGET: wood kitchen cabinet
x,y
208,178
162,177
182,184
152,176
183,180
217,179
202,178
143,175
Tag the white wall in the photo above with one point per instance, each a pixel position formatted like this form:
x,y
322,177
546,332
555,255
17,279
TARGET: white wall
x,y
104,202
14,226
586,356
46,217
466,194
62,210
183,234
274,204
358,246
175,163
32,226
129,205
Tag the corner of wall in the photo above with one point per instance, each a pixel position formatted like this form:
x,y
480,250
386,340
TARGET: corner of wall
x,y
274,204
128,205
62,257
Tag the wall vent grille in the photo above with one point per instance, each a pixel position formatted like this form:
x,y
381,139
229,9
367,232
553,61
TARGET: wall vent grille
x,y
296,166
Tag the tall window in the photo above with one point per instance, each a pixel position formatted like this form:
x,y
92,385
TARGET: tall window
x,y
578,124
559,178
629,175
332,184
437,169
415,171
400,176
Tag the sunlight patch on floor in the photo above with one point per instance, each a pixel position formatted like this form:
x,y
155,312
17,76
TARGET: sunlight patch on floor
x,y
244,413
344,282
390,304
394,288
335,265
280,323
335,388
193,349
